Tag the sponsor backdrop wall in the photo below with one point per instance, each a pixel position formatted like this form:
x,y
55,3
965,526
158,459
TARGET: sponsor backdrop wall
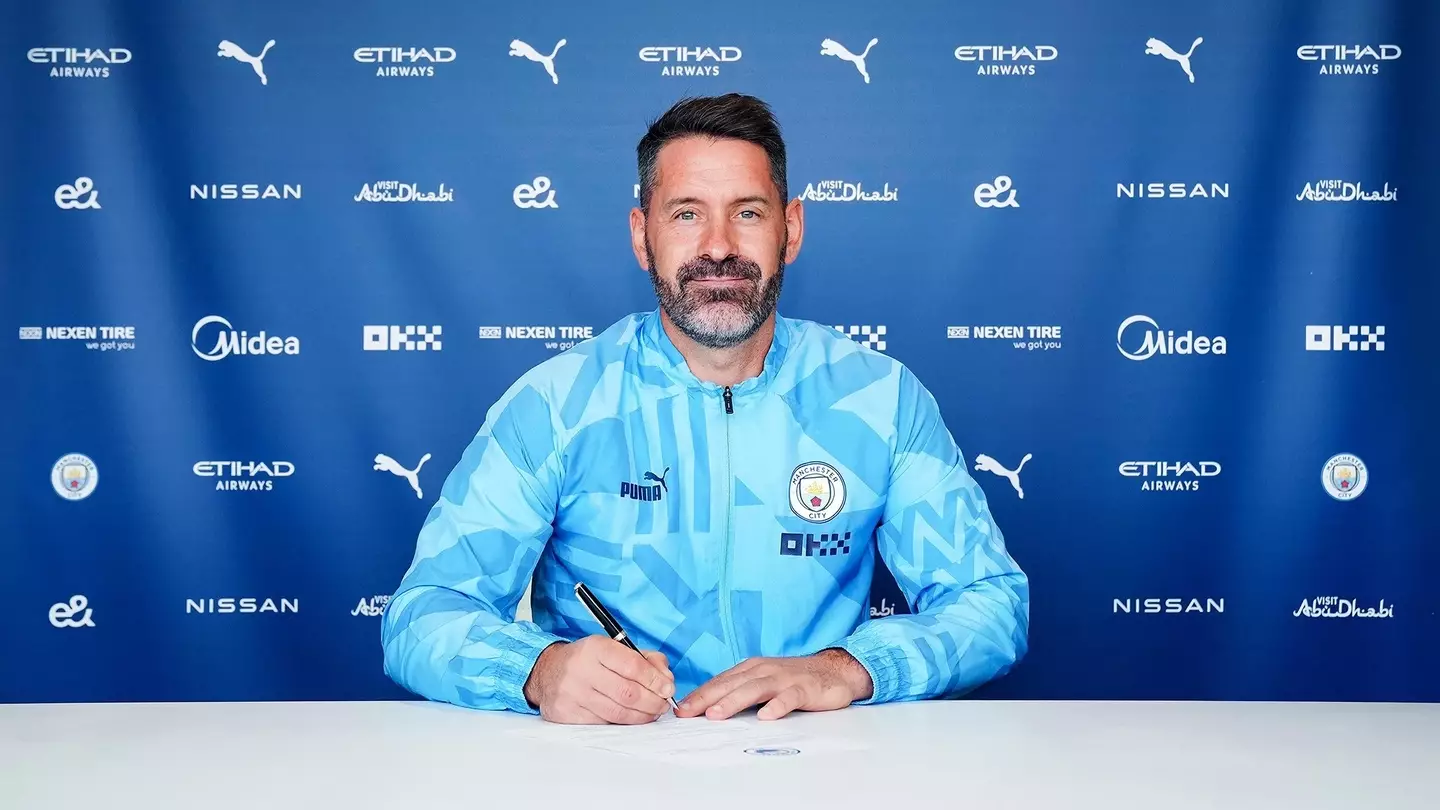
x,y
1168,268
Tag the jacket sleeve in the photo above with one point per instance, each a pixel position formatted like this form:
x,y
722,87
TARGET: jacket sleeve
x,y
449,632
970,601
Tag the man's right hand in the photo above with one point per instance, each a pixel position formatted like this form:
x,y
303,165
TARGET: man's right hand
x,y
598,680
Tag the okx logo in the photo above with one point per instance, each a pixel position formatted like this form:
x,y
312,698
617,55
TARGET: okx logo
x,y
797,544
646,491
382,338
1327,338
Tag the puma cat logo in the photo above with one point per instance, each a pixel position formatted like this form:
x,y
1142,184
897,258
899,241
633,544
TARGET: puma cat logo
x,y
650,476
830,47
390,465
233,51
990,465
519,48
646,492
1155,47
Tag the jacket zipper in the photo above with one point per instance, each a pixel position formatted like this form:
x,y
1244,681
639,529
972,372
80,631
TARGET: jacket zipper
x,y
726,621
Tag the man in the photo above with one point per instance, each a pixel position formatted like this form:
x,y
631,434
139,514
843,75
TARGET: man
x,y
720,478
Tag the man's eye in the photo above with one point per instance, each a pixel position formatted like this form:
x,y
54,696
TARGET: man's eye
x,y
751,214
686,215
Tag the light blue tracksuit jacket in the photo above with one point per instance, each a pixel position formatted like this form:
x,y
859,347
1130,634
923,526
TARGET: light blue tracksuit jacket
x,y
717,523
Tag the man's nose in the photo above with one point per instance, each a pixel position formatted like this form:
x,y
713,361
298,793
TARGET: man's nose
x,y
718,242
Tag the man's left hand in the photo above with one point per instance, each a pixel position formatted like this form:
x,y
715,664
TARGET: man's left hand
x,y
829,679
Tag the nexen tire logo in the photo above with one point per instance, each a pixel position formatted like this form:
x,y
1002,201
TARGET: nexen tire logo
x,y
1165,342
230,342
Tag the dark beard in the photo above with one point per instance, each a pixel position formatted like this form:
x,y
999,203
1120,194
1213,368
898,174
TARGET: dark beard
x,y
684,303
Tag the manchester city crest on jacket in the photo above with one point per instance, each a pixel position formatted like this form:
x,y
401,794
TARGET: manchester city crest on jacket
x,y
817,492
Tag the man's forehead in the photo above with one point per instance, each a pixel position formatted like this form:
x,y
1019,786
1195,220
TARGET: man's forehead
x,y
717,165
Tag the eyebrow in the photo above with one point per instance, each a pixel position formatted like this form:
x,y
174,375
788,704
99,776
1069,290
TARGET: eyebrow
x,y
752,199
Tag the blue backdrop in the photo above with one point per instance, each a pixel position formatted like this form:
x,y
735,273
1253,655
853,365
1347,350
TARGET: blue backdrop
x,y
1178,259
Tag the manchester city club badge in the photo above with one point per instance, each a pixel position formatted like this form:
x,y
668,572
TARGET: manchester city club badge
x,y
74,477
1344,477
817,491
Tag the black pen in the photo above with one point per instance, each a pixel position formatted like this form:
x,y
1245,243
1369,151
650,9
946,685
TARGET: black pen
x,y
612,627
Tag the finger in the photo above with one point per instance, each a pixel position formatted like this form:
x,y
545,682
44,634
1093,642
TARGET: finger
x,y
657,659
612,712
748,664
627,693
788,700
575,715
744,696
744,666
712,690
626,663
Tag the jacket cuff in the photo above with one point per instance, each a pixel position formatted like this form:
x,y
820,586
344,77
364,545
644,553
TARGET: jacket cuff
x,y
889,671
519,645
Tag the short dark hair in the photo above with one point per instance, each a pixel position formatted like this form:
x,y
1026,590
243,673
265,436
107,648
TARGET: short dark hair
x,y
741,117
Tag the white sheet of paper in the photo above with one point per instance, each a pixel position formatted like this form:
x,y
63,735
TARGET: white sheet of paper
x,y
696,739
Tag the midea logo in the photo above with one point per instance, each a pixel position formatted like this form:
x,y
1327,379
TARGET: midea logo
x,y
1157,341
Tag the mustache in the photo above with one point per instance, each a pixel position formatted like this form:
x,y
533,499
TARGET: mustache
x,y
702,267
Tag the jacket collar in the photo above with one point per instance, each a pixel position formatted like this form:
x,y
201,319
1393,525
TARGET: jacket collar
x,y
664,353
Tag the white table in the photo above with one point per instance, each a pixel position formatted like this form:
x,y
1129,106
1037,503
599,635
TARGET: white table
x,y
953,754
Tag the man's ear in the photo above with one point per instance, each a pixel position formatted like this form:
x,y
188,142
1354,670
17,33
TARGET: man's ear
x,y
794,229
637,238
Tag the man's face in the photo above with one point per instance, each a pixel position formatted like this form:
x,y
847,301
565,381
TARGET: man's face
x,y
716,239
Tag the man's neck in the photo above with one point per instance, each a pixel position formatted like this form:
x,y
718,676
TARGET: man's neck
x,y
730,366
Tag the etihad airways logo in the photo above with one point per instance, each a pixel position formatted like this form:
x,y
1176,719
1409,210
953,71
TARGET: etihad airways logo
x,y
244,476
1170,476
1164,342
399,62
1006,60
680,60
1348,60
79,63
